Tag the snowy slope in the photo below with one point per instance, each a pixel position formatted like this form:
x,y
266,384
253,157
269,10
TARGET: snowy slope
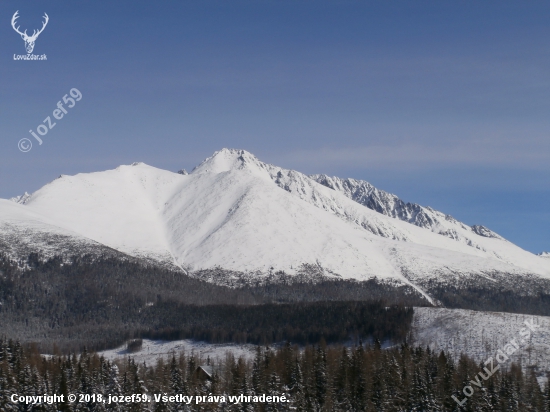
x,y
354,215
477,236
23,231
238,213
120,208
481,334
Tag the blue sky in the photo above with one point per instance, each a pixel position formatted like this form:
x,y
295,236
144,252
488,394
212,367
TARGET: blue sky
x,y
445,104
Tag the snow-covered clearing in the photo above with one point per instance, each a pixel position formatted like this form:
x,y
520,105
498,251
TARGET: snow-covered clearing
x,y
482,334
153,350
479,334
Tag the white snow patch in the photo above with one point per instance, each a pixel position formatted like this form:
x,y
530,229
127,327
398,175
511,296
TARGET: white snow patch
x,y
481,334
153,350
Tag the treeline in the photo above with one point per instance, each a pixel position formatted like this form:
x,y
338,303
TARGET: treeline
x,y
339,290
505,293
100,303
309,283
98,285
316,378
303,323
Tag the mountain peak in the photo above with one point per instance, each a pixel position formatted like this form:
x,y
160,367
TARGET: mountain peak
x,y
134,164
229,159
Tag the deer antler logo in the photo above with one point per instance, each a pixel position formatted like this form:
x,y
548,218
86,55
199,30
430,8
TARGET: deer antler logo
x,y
29,40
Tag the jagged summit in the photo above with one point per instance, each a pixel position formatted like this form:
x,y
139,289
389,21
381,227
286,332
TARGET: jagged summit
x,y
544,255
230,159
240,214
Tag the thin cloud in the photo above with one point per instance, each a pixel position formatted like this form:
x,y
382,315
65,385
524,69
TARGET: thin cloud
x,y
406,156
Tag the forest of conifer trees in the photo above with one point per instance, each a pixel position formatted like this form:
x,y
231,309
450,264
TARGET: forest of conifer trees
x,y
102,303
313,378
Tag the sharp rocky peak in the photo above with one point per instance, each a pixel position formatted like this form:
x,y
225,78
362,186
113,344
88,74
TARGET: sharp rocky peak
x,y
229,159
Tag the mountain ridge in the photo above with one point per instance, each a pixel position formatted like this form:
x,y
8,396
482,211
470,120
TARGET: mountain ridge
x,y
231,213
389,204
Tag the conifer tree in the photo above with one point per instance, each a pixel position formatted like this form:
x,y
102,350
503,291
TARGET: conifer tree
x,y
113,387
341,382
532,392
63,390
246,390
177,385
358,379
509,395
547,393
379,391
297,390
257,372
6,388
321,379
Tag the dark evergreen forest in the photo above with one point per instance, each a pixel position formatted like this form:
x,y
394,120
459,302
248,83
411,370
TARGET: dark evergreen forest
x,y
59,306
302,323
314,378
102,303
507,293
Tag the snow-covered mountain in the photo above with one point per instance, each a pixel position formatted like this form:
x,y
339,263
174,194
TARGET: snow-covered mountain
x,y
237,213
24,231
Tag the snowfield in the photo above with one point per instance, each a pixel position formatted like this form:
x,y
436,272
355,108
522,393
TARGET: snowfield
x,y
482,334
23,231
